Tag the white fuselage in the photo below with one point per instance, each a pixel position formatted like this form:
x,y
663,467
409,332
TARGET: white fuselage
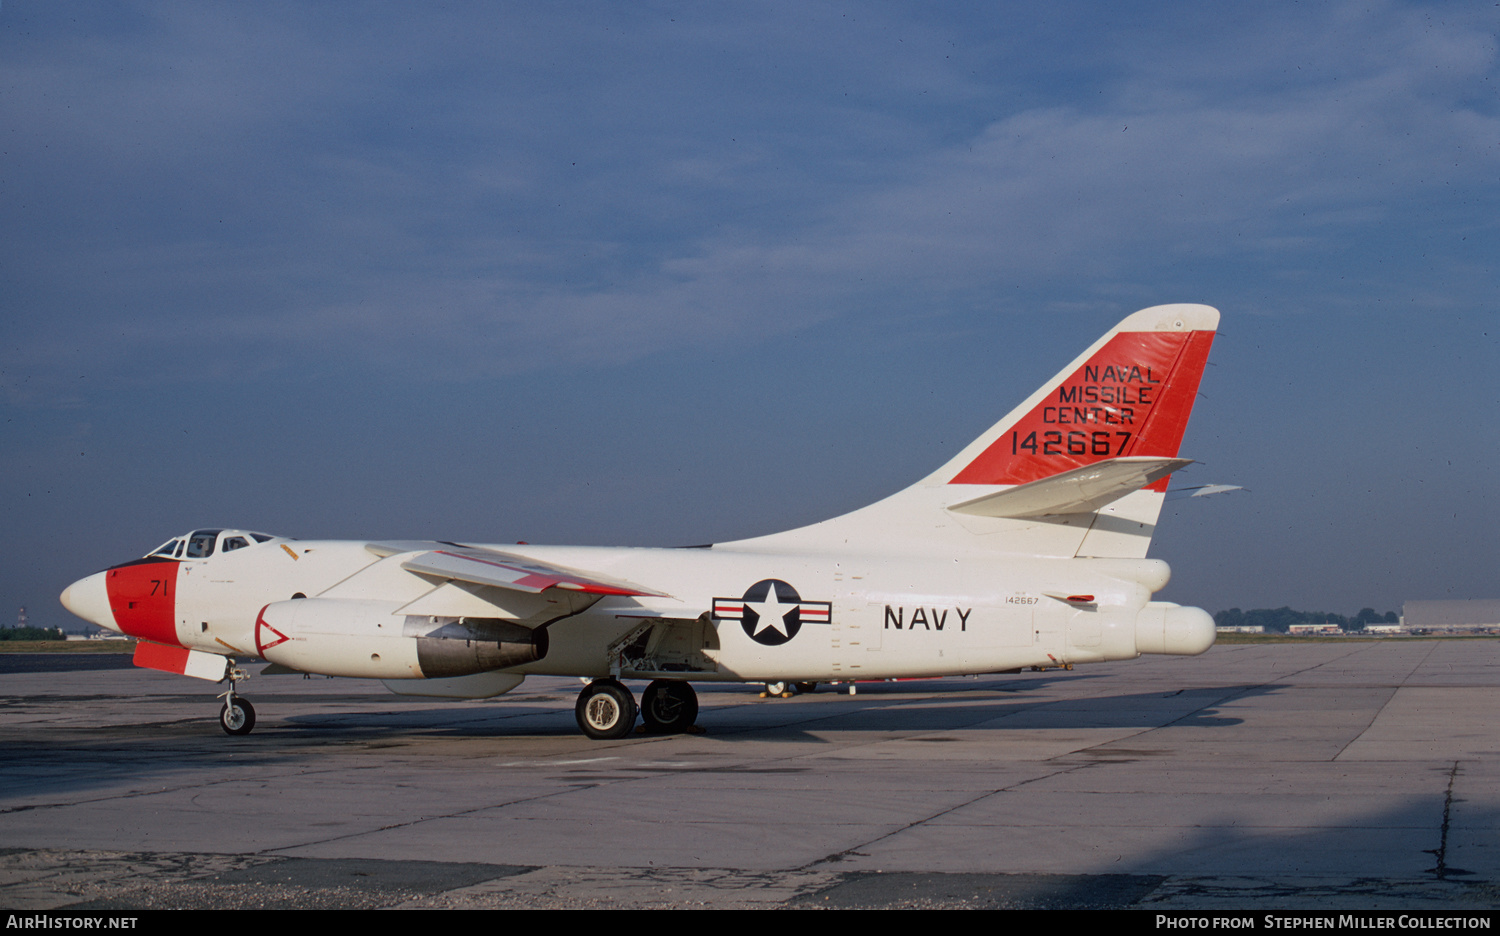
x,y
886,617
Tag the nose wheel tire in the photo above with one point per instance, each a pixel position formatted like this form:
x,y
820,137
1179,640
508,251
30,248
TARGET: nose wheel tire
x,y
606,710
237,717
669,706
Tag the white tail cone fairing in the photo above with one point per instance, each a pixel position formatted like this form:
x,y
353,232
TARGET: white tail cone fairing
x,y
1163,627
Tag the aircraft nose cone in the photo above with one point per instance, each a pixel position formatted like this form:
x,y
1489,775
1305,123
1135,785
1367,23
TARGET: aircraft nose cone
x,y
89,599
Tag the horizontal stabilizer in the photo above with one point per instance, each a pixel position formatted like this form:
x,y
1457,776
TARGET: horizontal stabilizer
x,y
518,573
1081,490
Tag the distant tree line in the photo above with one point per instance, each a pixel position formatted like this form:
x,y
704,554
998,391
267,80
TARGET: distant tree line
x,y
32,633
1281,619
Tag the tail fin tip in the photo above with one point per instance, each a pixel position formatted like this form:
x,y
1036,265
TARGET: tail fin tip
x,y
1129,394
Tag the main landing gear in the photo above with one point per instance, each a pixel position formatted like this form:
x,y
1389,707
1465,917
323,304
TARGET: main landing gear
x,y
606,710
669,707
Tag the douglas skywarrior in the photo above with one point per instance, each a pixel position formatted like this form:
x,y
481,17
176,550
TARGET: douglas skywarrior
x,y
1028,548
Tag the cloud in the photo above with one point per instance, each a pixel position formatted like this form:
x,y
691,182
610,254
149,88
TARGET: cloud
x,y
263,190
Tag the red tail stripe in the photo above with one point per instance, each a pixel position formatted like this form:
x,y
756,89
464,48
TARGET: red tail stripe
x,y
1133,397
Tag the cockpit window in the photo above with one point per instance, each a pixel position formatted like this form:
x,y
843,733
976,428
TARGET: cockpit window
x,y
200,545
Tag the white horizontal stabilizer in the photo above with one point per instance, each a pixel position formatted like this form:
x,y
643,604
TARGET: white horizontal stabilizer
x,y
1205,490
1081,490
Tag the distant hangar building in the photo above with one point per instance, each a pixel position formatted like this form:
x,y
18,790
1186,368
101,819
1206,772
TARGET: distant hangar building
x,y
1474,616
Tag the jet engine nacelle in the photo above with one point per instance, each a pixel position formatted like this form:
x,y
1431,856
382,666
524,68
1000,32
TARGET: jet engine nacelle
x,y
368,639
1164,627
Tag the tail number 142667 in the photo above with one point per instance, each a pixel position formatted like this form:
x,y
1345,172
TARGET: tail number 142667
x,y
1053,442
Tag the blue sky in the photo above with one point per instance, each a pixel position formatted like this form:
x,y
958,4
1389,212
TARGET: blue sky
x,y
676,273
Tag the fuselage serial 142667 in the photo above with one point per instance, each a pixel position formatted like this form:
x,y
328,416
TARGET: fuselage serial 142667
x,y
1028,548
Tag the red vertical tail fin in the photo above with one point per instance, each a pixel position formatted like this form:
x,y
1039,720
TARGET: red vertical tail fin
x,y
1125,401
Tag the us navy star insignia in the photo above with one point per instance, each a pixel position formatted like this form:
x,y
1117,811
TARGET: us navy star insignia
x,y
771,612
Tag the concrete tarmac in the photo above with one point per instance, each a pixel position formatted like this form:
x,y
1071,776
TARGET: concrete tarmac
x,y
1359,776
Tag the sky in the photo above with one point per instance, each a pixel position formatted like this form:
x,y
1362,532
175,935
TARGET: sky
x,y
668,273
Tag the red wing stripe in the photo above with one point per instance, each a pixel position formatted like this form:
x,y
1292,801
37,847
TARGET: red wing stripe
x,y
535,581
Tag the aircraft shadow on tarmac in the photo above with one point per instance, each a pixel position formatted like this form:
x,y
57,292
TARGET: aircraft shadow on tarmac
x,y
1241,856
923,706
77,757
1403,857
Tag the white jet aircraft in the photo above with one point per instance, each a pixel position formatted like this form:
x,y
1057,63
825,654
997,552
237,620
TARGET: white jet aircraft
x,y
1028,548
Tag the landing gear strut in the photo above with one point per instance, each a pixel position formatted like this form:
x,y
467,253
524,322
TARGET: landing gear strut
x,y
605,710
669,706
237,717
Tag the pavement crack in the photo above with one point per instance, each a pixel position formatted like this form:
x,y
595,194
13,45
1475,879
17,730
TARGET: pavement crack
x,y
858,850
412,822
1378,712
1441,869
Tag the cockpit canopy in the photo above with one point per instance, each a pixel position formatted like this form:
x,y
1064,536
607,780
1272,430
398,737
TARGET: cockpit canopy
x,y
200,544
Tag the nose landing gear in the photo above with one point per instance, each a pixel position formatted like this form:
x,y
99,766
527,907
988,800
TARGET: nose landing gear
x,y
237,717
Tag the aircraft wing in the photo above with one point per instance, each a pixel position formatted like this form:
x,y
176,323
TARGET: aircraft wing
x,y
1080,490
504,570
